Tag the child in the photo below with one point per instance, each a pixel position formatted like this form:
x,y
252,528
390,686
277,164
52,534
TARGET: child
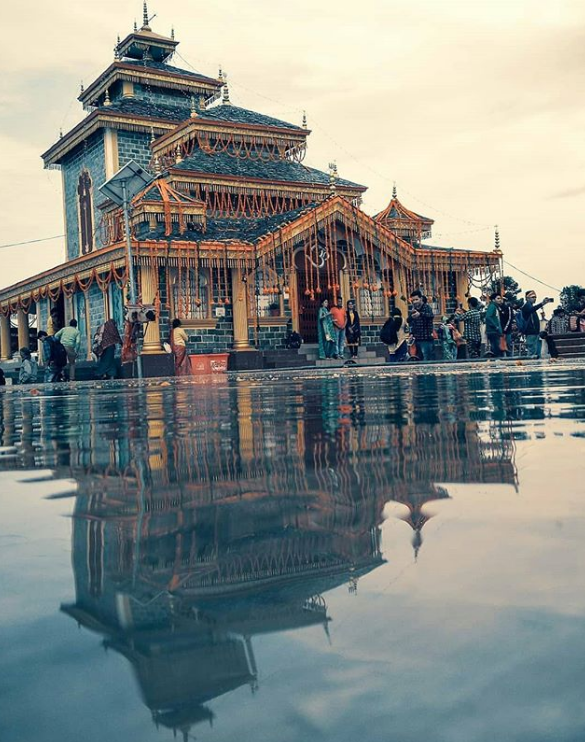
x,y
29,369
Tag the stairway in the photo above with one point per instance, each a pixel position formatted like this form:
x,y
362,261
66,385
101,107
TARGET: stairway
x,y
571,346
369,355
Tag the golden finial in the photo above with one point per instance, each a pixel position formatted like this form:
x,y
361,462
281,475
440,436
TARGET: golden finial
x,y
332,176
193,107
107,101
305,120
394,191
178,155
145,16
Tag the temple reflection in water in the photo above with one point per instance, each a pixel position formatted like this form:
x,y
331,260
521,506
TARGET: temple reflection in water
x,y
206,516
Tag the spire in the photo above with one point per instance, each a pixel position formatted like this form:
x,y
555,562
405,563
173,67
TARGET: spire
x,y
81,88
173,33
117,49
145,25
226,92
497,247
135,26
178,154
394,191
107,101
304,119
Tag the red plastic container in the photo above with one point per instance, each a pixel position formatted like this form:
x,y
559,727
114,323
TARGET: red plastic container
x,y
213,363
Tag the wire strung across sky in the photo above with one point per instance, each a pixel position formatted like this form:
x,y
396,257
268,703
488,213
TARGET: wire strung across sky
x,y
554,288
30,242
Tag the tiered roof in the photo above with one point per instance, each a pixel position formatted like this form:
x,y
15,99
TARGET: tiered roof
x,y
406,223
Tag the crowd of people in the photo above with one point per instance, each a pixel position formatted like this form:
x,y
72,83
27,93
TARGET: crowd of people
x,y
494,327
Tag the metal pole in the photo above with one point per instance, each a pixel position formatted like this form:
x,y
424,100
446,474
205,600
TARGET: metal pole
x,y
131,276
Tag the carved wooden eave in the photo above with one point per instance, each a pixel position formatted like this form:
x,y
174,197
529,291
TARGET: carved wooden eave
x,y
182,179
188,131
28,289
121,71
103,119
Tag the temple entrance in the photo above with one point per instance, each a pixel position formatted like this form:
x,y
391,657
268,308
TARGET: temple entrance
x,y
309,308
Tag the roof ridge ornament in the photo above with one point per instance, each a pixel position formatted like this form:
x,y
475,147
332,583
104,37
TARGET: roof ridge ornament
x,y
394,191
135,26
145,25
225,98
497,247
305,120
117,50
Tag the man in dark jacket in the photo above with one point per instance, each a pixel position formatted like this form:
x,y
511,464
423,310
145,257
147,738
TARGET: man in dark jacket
x,y
420,320
532,323
506,318
55,357
493,326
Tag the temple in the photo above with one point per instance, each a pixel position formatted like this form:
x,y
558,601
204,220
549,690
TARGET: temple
x,y
236,236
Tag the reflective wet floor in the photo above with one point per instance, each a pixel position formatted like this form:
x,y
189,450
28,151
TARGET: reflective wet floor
x,y
351,556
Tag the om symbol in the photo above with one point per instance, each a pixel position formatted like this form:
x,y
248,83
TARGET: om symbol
x,y
317,255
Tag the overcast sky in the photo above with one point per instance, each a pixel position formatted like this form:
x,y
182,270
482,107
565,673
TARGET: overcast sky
x,y
474,107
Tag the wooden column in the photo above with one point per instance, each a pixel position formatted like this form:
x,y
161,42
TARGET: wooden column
x,y
240,310
462,287
4,338
401,290
23,333
149,289
293,300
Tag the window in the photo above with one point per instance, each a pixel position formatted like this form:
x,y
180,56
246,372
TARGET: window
x,y
85,204
266,304
189,293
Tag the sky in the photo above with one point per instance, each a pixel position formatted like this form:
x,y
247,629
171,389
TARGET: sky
x,y
473,108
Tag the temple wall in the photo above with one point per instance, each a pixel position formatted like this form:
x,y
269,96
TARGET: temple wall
x,y
167,97
133,145
91,156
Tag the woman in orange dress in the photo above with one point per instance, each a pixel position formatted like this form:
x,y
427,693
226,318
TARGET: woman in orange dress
x,y
179,347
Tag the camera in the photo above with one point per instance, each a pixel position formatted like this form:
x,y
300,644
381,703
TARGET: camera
x,y
142,313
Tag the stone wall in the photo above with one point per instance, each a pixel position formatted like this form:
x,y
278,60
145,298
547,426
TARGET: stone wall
x,y
87,156
133,145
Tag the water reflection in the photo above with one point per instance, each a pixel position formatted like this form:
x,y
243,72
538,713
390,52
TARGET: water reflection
x,y
206,516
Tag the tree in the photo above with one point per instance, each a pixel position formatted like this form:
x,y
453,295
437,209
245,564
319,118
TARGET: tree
x,y
511,290
570,297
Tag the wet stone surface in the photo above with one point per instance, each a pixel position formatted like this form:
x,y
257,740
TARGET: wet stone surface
x,y
334,555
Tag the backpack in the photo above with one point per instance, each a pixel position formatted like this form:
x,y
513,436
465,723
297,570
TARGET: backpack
x,y
386,332
59,356
520,321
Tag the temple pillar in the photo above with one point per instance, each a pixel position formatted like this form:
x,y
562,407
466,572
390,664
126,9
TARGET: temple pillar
x,y
5,338
149,290
23,332
293,299
401,291
462,283
345,287
240,310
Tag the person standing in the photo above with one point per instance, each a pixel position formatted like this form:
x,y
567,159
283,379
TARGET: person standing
x,y
448,343
179,341
531,323
493,326
325,331
29,369
420,320
55,357
104,346
70,338
471,327
339,317
353,330
506,319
